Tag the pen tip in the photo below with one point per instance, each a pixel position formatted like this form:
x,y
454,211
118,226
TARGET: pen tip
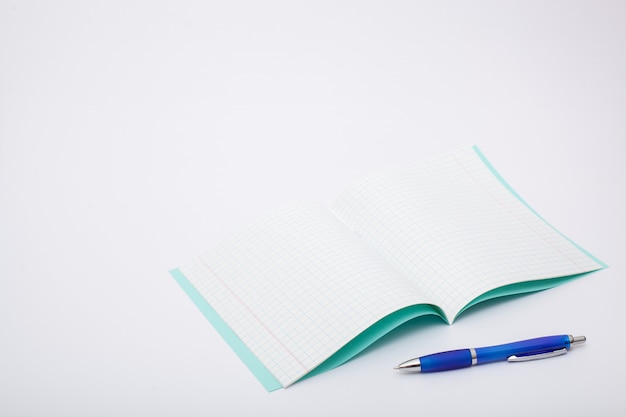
x,y
412,365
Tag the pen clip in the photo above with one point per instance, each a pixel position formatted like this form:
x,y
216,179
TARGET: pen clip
x,y
536,356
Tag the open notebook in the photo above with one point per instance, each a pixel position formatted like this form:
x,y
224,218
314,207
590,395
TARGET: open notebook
x,y
306,288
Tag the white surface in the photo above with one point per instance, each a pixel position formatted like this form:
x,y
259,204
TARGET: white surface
x,y
134,137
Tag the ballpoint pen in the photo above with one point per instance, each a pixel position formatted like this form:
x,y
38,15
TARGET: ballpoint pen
x,y
524,350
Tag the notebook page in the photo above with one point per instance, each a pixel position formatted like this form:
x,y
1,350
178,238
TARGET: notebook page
x,y
297,286
456,230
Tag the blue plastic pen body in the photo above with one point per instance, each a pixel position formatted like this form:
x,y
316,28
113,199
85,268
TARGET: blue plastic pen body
x,y
524,347
462,358
445,361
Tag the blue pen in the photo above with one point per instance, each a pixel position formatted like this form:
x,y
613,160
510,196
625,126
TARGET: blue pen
x,y
524,350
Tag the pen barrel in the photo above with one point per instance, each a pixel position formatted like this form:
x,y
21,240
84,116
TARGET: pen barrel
x,y
524,347
445,361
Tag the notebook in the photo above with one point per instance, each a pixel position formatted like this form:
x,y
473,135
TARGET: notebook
x,y
305,288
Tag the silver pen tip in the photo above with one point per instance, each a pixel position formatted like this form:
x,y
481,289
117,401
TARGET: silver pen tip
x,y
412,365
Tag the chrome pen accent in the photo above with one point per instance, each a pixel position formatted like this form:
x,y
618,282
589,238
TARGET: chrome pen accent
x,y
533,357
522,351
474,357
573,341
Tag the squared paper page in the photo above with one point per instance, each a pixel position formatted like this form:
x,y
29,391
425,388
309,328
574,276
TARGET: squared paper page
x,y
297,286
456,231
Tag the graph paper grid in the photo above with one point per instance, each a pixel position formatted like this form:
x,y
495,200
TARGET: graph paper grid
x,y
297,286
456,230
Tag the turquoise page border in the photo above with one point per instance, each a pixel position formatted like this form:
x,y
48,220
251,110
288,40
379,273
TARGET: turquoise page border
x,y
512,191
347,352
521,288
525,286
372,334
247,357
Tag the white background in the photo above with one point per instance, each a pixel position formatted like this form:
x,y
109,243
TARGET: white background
x,y
135,136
